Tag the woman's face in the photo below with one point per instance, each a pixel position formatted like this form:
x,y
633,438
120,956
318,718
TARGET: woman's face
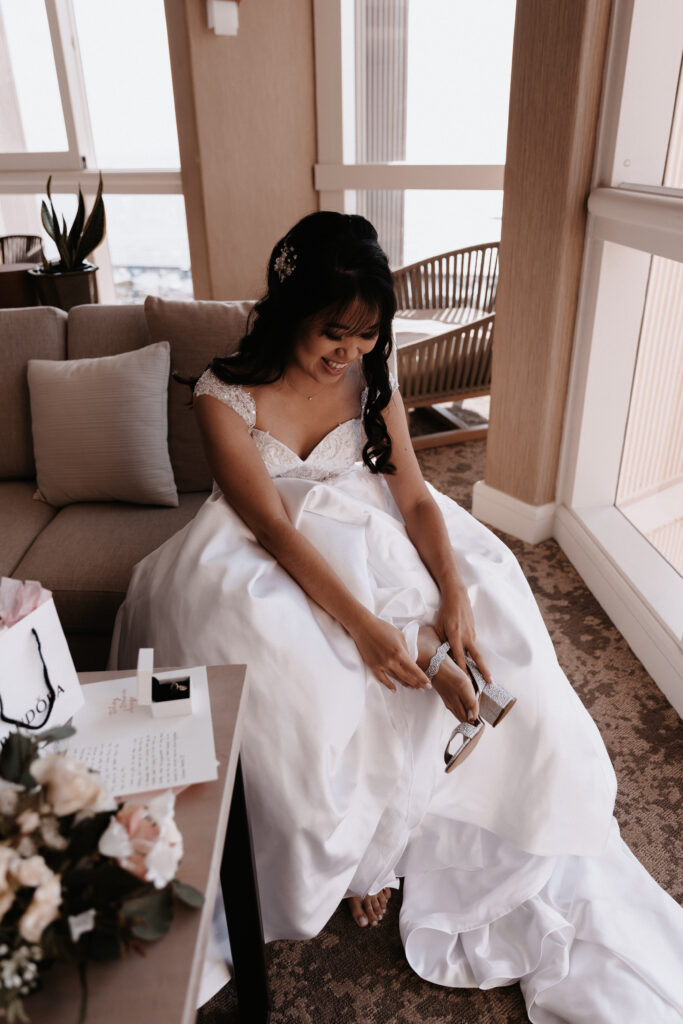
x,y
330,342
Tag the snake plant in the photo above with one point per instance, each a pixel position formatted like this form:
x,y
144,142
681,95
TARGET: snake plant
x,y
74,244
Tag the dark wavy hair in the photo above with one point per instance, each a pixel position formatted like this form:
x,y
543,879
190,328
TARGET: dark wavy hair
x,y
332,263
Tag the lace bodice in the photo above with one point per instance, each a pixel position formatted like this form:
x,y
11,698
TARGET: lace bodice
x,y
334,454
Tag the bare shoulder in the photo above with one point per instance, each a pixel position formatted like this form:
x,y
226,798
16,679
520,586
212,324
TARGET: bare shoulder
x,y
236,464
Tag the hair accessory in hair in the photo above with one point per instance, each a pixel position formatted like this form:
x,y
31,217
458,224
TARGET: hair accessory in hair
x,y
284,264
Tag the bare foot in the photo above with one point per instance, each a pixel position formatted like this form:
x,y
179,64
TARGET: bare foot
x,y
450,682
371,909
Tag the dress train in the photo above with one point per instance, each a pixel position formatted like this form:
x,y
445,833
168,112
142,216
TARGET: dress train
x,y
513,866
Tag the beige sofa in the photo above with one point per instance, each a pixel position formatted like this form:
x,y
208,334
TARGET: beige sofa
x,y
85,552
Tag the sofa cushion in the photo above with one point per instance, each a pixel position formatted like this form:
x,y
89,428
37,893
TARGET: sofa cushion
x,y
197,331
21,520
105,330
85,556
33,333
100,427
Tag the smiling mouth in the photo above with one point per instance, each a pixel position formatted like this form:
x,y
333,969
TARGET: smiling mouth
x,y
334,366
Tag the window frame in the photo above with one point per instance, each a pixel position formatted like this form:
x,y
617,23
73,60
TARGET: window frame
x,y
627,224
24,173
335,179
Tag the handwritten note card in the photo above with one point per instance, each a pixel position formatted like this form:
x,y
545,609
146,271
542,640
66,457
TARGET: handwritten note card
x,y
135,752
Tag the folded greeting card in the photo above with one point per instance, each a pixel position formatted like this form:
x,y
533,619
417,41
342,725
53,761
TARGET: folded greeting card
x,y
135,752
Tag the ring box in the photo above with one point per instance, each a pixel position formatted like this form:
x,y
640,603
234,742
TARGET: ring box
x,y
171,694
144,675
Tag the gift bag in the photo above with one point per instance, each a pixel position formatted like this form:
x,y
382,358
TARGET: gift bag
x,y
39,687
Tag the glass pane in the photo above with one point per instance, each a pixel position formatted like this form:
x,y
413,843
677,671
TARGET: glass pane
x,y
650,489
673,170
148,244
431,81
146,235
127,70
30,106
419,223
20,215
648,143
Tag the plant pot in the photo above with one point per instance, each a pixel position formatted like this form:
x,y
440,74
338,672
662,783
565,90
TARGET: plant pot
x,y
65,289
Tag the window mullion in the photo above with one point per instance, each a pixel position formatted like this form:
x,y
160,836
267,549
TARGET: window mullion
x,y
69,68
152,182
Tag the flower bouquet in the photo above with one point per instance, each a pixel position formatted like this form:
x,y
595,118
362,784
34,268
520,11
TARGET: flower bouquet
x,y
82,877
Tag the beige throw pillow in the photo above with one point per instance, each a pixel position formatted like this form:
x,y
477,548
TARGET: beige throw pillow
x,y
99,428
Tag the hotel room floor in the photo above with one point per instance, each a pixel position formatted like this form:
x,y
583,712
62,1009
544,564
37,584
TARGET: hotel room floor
x,y
351,976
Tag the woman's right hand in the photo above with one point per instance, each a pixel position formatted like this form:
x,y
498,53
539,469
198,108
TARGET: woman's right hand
x,y
384,650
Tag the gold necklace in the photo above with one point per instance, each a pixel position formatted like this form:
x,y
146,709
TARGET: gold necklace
x,y
309,398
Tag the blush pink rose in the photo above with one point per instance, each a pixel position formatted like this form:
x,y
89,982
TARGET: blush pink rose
x,y
129,838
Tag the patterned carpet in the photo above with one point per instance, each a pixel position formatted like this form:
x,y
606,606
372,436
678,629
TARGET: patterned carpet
x,y
351,976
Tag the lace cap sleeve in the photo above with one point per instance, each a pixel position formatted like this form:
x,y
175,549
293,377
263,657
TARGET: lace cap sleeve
x,y
364,393
230,394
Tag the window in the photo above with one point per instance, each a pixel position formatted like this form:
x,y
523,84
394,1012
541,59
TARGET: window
x,y
110,108
621,473
650,485
33,120
412,118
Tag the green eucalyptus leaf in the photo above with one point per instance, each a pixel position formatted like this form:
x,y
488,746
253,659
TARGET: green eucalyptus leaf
x,y
60,732
16,755
187,894
150,915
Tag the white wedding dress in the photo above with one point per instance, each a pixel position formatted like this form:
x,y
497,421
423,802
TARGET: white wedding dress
x,y
513,865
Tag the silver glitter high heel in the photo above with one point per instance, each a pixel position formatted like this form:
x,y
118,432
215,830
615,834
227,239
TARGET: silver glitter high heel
x,y
494,701
471,732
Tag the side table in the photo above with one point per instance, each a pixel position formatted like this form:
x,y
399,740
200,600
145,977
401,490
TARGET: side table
x,y
162,987
16,286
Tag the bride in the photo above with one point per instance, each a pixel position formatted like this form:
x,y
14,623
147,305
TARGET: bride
x,y
355,592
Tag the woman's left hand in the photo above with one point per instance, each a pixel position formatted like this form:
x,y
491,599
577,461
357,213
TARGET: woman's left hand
x,y
455,623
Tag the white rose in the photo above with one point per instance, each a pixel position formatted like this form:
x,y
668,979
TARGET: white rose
x,y
161,808
162,863
79,924
42,910
71,786
115,841
6,901
26,847
52,837
7,855
28,821
31,871
172,835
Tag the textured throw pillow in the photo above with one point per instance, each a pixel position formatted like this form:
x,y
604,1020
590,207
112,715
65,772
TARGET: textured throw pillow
x,y
99,428
197,331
